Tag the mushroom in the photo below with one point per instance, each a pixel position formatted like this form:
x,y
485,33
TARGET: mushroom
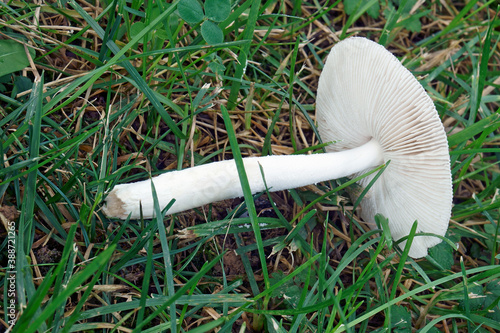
x,y
375,111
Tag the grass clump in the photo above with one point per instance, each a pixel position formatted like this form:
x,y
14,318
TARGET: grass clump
x,y
99,93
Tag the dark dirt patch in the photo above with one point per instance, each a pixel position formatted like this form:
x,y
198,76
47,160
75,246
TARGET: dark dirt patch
x,y
46,255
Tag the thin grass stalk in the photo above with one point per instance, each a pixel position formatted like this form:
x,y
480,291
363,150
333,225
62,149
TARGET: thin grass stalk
x,y
247,193
169,276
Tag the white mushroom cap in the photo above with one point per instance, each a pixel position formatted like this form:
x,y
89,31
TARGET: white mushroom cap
x,y
365,92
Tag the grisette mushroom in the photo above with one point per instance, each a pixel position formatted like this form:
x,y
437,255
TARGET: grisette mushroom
x,y
375,111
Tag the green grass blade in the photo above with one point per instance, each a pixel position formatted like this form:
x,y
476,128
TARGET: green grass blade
x,y
247,192
165,246
243,55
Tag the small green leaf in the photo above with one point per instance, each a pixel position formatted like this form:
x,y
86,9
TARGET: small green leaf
x,y
13,56
22,83
211,33
156,11
443,254
190,11
216,66
350,6
413,24
161,34
172,19
400,319
374,11
217,10
494,287
136,28
475,298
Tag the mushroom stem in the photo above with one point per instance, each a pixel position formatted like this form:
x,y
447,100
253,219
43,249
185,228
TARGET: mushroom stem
x,y
217,181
